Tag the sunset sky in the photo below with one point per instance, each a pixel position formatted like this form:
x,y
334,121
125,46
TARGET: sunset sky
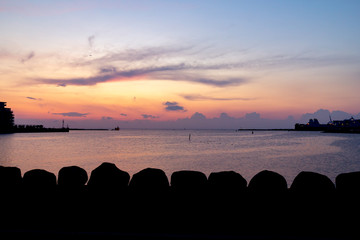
x,y
167,60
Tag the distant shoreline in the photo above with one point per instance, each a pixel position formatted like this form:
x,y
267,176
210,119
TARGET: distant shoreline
x,y
48,130
266,129
89,129
34,130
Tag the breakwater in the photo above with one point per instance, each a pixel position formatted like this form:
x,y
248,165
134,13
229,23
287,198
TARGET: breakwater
x,y
188,205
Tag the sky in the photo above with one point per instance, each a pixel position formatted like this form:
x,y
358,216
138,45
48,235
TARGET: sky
x,y
167,63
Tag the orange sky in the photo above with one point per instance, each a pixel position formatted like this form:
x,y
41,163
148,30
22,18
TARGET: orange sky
x,y
164,62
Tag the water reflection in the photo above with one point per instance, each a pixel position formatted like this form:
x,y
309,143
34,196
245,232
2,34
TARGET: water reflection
x,y
287,153
6,149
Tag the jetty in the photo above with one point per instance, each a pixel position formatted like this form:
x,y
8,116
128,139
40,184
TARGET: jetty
x,y
7,125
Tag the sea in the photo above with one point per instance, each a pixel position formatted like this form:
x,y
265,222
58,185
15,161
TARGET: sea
x,y
246,152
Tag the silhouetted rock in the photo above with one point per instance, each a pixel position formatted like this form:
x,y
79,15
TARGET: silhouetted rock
x,y
39,199
149,198
108,177
107,190
268,182
72,177
39,203
311,183
348,183
149,181
226,200
312,201
10,178
267,203
193,205
189,201
227,182
347,204
39,179
188,182
10,195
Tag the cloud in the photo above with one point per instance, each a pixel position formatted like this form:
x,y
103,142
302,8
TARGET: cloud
x,y
72,114
28,57
108,69
198,116
160,63
173,106
252,116
107,118
324,115
136,55
224,121
91,40
35,99
123,114
107,74
220,83
181,63
112,75
195,121
198,97
77,81
148,116
163,63
297,60
212,59
225,116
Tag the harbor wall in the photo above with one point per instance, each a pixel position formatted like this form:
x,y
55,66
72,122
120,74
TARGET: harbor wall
x,y
109,202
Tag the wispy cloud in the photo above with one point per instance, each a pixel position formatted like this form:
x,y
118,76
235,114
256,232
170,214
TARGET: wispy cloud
x,y
220,83
112,74
72,114
132,55
198,97
91,40
35,99
173,73
172,63
182,63
28,57
297,60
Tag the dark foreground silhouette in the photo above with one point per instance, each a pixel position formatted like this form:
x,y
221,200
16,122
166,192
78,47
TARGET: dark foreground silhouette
x,y
109,204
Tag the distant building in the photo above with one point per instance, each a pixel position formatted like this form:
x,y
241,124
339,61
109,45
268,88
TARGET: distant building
x,y
345,126
7,123
312,125
6,118
340,126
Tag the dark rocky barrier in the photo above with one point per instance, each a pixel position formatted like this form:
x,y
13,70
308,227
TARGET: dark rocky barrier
x,y
109,204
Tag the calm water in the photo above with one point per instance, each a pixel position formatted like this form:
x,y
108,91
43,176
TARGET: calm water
x,y
287,153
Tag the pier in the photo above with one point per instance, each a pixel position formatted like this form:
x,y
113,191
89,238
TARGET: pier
x,y
7,123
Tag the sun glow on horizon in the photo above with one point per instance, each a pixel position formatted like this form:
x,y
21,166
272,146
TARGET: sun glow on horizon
x,y
165,63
